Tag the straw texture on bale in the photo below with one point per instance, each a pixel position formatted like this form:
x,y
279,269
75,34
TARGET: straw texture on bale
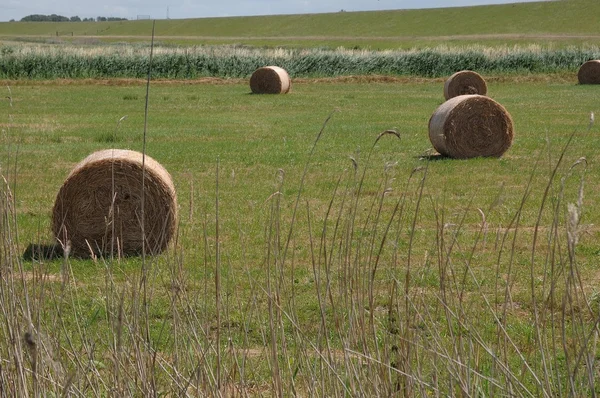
x,y
99,206
270,80
589,72
470,126
464,82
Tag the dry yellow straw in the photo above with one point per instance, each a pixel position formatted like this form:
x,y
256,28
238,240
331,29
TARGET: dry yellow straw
x,y
464,82
98,208
270,80
589,72
469,126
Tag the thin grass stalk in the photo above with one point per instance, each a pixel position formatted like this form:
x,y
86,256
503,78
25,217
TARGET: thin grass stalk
x,y
143,285
557,270
327,263
502,338
545,195
247,309
217,283
301,187
504,366
375,262
571,301
323,330
554,261
394,314
361,278
363,275
307,340
387,369
463,374
343,275
236,375
280,292
292,222
273,302
17,385
573,217
351,269
25,313
459,342
406,384
177,285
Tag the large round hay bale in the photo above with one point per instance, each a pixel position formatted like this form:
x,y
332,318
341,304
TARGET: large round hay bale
x,y
469,126
589,72
464,82
270,80
99,206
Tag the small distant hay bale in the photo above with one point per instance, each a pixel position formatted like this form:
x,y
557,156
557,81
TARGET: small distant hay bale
x,y
470,126
464,82
270,80
589,72
99,206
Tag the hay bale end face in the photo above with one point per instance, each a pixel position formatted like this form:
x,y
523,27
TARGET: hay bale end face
x,y
463,83
270,80
99,207
471,126
589,72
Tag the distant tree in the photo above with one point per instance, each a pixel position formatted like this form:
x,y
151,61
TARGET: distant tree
x,y
44,18
33,18
58,18
12,20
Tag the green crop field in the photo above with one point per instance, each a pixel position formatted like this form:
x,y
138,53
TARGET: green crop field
x,y
131,61
323,248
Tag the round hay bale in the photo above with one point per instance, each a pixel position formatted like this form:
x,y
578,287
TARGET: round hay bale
x,y
464,82
469,126
98,208
589,72
270,80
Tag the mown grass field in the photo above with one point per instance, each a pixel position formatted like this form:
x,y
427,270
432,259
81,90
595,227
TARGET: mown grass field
x,y
260,145
349,265
193,124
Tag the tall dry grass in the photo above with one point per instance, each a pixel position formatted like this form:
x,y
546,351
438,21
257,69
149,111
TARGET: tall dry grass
x,y
393,308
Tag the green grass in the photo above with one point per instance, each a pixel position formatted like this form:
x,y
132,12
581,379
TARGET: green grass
x,y
441,271
192,125
375,272
550,22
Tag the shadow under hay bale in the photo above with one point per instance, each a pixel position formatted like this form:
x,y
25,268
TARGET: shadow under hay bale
x,y
270,80
471,126
589,72
99,209
42,252
463,83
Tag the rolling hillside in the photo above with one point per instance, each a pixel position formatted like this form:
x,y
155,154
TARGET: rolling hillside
x,y
568,20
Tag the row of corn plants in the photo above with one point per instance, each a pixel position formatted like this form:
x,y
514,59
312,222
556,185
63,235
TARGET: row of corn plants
x,y
131,61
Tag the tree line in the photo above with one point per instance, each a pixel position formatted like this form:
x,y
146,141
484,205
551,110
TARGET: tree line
x,y
60,18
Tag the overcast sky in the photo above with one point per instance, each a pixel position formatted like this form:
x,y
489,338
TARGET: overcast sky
x,y
158,9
